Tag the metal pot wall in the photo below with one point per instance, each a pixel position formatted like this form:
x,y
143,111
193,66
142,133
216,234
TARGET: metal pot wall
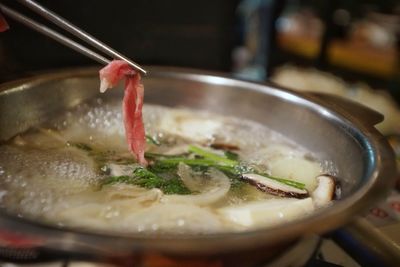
x,y
334,129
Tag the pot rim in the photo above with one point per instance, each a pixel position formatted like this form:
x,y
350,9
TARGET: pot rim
x,y
380,156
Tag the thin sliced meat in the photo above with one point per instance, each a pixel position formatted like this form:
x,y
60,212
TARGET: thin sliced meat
x,y
133,120
131,105
3,24
111,74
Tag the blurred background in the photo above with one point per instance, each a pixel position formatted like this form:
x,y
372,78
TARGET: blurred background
x,y
357,40
349,48
344,47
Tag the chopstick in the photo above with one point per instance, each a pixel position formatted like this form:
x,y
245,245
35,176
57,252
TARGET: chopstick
x,y
53,34
69,27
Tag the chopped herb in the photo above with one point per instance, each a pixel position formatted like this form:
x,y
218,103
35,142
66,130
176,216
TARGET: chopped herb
x,y
147,179
162,174
233,172
175,186
160,167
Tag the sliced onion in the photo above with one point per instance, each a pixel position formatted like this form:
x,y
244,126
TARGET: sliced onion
x,y
191,181
106,208
135,193
212,190
121,170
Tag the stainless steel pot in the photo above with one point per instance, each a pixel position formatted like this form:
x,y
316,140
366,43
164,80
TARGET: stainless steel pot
x,y
336,130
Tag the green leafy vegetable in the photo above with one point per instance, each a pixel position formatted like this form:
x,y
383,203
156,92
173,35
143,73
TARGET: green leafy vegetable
x,y
162,174
231,155
152,155
212,157
175,161
233,171
147,179
284,181
160,167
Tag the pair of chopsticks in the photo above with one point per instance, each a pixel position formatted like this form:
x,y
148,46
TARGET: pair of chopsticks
x,y
69,27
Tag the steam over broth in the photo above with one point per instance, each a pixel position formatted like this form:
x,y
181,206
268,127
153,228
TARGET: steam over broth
x,y
207,173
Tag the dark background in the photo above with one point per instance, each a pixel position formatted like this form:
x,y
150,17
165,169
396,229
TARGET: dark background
x,y
198,34
187,33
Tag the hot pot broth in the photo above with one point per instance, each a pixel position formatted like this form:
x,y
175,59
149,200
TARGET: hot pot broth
x,y
207,173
